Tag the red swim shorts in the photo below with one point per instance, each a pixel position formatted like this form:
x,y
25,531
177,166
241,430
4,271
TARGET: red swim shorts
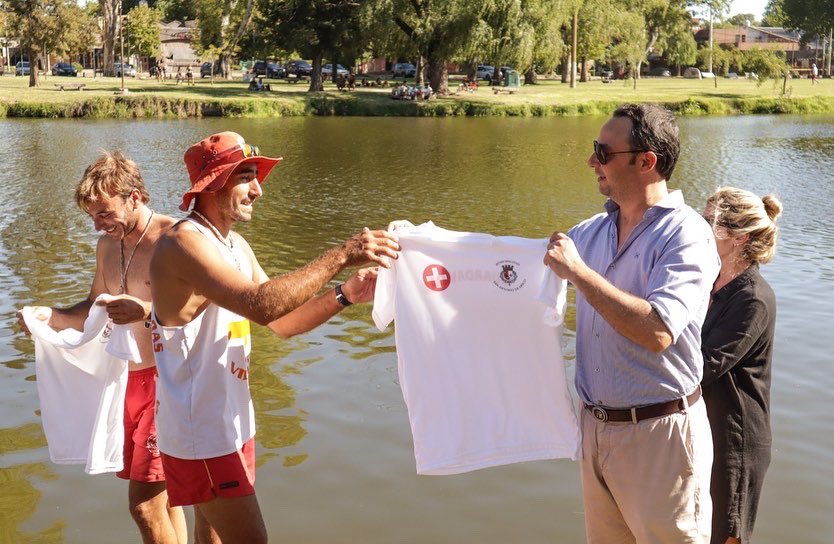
x,y
142,462
192,481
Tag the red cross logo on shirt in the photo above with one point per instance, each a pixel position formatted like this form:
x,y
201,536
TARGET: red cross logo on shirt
x,y
436,277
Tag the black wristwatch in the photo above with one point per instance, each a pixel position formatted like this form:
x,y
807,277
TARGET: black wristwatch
x,y
340,296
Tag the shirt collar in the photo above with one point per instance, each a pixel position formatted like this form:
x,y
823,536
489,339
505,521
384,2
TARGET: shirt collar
x,y
672,201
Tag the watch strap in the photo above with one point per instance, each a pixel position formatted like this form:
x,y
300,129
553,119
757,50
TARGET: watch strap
x,y
341,298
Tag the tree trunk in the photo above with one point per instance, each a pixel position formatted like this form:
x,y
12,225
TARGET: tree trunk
x,y
315,74
574,34
438,75
334,73
34,57
420,76
530,77
110,24
565,65
584,72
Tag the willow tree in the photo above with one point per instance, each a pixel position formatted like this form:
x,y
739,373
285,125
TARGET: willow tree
x,y
597,27
439,30
662,20
629,42
546,17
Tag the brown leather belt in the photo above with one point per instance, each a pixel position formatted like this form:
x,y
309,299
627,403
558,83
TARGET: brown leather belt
x,y
645,412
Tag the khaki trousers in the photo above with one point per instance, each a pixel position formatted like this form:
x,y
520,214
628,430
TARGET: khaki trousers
x,y
648,482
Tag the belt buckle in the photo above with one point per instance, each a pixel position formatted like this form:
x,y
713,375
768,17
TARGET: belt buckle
x,y
599,413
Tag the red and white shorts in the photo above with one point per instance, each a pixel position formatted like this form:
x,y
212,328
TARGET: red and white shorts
x,y
192,481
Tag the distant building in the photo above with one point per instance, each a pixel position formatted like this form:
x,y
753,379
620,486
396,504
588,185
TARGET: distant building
x,y
175,47
747,37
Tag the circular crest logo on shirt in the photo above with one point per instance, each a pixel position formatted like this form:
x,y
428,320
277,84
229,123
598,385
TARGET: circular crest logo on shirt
x,y
436,277
508,278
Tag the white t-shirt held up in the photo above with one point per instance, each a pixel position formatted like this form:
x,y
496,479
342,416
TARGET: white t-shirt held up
x,y
478,334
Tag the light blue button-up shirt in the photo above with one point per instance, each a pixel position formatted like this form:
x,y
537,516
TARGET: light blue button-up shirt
x,y
670,260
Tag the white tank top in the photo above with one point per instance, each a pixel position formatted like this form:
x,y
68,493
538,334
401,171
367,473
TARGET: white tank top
x,y
203,406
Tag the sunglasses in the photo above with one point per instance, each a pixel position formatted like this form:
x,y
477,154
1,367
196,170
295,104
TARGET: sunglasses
x,y
601,152
246,149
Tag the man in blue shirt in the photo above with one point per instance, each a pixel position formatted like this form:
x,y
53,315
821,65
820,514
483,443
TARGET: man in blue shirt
x,y
643,272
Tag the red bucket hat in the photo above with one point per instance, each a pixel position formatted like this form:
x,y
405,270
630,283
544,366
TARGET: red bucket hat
x,y
211,161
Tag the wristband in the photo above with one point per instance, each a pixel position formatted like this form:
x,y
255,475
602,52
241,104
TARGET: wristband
x,y
341,298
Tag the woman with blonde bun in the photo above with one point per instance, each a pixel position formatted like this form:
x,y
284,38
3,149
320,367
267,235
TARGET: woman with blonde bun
x,y
737,344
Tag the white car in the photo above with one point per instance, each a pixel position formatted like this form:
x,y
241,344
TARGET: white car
x,y
327,70
485,72
130,70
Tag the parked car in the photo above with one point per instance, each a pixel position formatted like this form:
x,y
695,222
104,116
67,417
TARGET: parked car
x,y
299,68
707,75
275,70
692,73
22,68
327,70
485,72
660,71
268,69
404,69
64,69
732,75
130,70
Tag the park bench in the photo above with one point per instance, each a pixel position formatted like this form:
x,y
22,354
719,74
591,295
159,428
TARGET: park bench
x,y
70,86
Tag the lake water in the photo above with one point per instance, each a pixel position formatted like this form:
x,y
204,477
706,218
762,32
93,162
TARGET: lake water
x,y
335,458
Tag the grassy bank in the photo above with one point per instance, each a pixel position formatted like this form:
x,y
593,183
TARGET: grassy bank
x,y
152,99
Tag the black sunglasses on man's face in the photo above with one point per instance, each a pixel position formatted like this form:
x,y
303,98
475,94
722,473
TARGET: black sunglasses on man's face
x,y
601,152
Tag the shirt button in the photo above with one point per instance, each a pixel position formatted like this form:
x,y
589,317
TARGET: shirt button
x,y
597,369
596,334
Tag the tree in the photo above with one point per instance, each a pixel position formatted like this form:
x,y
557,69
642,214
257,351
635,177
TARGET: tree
x,y
811,16
142,26
110,11
316,28
545,17
51,25
773,15
221,24
629,42
663,21
439,31
765,63
597,23
741,19
74,30
501,36
681,51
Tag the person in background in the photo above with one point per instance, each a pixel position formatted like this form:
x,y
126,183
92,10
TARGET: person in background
x,y
737,344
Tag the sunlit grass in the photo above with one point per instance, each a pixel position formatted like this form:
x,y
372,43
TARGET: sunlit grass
x,y
150,98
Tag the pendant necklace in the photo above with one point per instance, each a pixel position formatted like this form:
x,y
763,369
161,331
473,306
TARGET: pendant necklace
x,y
125,266
227,243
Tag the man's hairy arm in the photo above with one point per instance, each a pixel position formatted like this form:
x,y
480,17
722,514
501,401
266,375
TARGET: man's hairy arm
x,y
189,256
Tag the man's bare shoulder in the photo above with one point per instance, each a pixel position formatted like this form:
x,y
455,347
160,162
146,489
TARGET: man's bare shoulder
x,y
184,241
106,246
166,222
